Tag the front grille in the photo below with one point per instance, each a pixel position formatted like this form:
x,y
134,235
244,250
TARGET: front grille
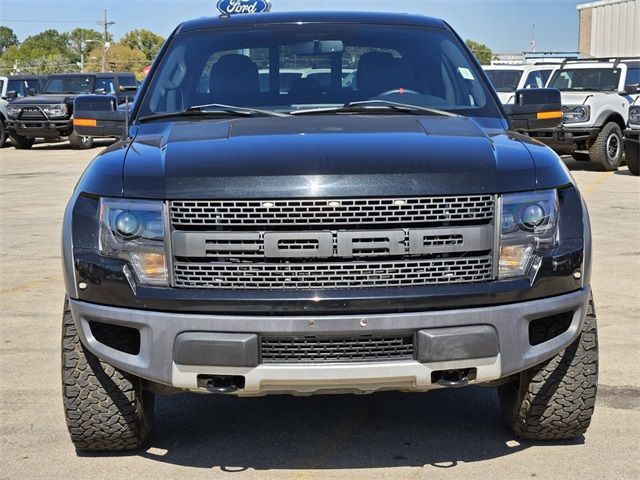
x,y
33,113
343,349
330,212
332,275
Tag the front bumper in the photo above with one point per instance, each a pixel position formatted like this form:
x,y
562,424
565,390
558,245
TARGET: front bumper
x,y
41,128
565,139
508,326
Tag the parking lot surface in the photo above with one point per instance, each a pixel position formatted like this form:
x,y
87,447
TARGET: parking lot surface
x,y
442,434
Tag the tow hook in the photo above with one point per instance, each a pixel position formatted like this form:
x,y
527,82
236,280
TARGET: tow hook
x,y
453,378
221,384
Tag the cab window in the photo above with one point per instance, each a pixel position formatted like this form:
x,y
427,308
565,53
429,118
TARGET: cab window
x,y
106,84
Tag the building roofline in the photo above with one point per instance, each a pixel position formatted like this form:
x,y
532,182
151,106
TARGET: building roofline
x,y
600,3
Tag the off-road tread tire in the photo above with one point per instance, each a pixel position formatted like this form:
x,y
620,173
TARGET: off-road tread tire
x,y
632,153
21,143
556,399
598,151
76,142
105,409
3,134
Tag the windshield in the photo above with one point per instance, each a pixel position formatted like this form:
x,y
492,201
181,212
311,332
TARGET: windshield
x,y
504,80
592,79
296,67
71,84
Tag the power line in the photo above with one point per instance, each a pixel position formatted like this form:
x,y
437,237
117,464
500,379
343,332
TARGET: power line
x,y
44,21
106,24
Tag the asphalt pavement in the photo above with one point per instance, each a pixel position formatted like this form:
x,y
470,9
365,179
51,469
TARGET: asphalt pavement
x,y
442,434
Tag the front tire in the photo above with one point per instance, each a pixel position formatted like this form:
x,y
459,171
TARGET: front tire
x,y
80,142
555,400
606,151
105,409
632,152
21,143
3,134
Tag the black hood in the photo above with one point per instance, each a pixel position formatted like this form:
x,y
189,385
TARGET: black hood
x,y
324,155
44,99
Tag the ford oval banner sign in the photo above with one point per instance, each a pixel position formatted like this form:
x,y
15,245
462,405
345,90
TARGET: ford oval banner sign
x,y
234,7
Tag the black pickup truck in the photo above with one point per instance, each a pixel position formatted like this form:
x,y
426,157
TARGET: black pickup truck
x,y
398,235
50,115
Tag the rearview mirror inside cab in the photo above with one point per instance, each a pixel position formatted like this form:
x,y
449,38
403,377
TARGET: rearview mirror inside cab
x,y
98,116
535,108
318,47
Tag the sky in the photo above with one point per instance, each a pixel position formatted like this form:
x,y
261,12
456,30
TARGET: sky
x,y
503,25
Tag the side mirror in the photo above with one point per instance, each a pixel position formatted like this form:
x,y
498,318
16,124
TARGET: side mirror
x,y
12,95
31,92
632,89
98,116
535,108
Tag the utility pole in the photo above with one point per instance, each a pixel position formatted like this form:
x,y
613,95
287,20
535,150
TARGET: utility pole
x,y
106,24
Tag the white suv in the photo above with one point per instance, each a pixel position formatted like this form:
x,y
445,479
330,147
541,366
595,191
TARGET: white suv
x,y
596,95
506,79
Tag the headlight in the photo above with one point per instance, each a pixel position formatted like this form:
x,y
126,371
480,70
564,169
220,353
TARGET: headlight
x,y
134,231
634,115
13,111
576,113
53,111
529,223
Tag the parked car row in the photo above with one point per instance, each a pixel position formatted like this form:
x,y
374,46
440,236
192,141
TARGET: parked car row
x,y
598,95
39,107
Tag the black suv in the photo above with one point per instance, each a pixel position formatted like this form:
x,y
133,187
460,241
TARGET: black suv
x,y
50,115
398,235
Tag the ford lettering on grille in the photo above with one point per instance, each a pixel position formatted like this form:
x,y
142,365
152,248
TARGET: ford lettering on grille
x,y
342,244
312,244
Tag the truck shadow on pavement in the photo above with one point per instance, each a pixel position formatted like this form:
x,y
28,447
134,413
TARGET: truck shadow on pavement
x,y
440,428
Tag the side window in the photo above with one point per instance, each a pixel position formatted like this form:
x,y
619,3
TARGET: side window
x,y
127,81
534,80
107,84
633,76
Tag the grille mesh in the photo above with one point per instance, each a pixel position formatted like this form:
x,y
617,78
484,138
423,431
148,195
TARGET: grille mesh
x,y
33,112
314,276
363,211
348,349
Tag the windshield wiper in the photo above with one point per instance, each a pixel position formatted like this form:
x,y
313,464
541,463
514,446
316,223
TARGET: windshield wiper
x,y
216,109
366,106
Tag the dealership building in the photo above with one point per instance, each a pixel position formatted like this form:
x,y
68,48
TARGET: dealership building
x,y
609,28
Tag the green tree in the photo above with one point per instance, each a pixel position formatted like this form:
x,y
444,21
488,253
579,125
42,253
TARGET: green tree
x,y
7,38
46,43
482,52
83,40
119,58
46,52
144,40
